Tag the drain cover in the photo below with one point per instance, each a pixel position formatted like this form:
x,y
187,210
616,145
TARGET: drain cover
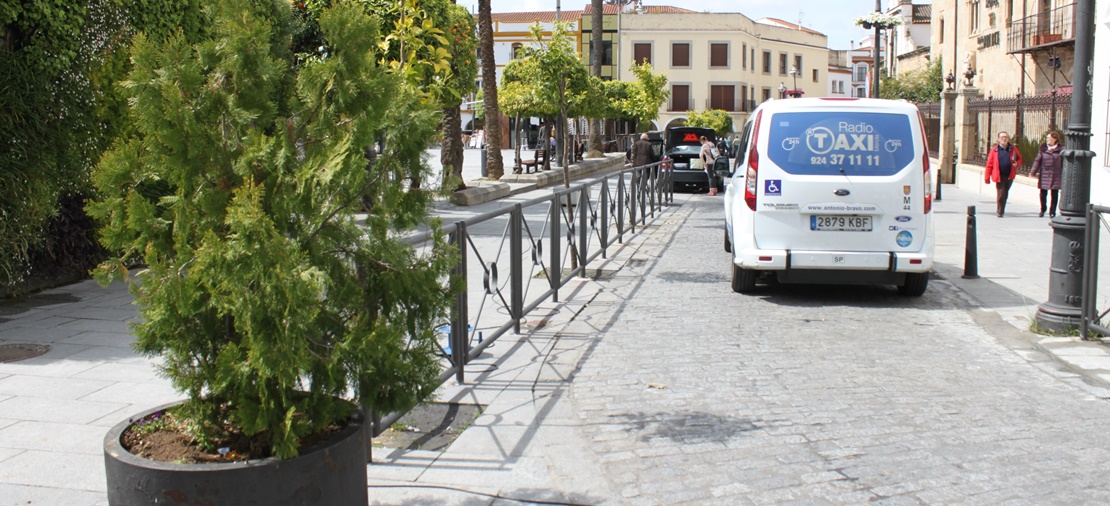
x,y
21,351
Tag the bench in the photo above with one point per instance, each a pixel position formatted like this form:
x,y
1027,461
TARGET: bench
x,y
536,162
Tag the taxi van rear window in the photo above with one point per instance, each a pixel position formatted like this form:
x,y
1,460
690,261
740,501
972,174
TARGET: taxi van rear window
x,y
841,143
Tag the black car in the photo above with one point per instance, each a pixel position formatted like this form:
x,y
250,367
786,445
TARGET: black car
x,y
683,150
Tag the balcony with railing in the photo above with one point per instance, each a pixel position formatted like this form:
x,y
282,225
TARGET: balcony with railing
x,y
735,105
1055,27
678,105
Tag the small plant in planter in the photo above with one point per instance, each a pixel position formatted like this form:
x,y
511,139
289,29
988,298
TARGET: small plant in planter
x,y
271,307
795,93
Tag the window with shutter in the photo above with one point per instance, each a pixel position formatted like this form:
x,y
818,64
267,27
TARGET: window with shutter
x,y
718,54
680,54
722,97
641,53
680,97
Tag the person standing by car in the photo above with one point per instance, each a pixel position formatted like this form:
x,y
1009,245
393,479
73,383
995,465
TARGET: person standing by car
x,y
1003,162
1048,168
708,160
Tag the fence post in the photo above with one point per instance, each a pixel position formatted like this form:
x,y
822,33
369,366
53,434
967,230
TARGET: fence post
x,y
971,249
459,316
516,270
556,269
583,233
604,203
621,189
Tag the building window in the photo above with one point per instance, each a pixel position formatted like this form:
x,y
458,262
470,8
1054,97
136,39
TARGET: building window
x,y
766,62
722,97
782,64
798,63
516,50
753,62
641,53
718,54
744,56
766,94
973,16
940,36
814,75
860,73
680,97
606,52
680,54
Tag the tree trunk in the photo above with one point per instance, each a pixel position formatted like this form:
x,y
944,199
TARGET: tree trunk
x,y
494,164
517,168
451,152
598,55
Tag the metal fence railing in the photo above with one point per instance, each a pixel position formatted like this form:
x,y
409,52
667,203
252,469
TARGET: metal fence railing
x,y
1092,321
1025,118
931,114
545,243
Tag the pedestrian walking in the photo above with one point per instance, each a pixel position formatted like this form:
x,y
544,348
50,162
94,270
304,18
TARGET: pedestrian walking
x,y
1048,167
642,152
1003,162
708,160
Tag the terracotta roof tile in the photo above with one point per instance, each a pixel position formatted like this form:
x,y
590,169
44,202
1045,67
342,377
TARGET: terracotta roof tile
x,y
792,26
532,17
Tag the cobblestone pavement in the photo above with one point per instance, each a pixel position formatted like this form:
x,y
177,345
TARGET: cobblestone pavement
x,y
825,395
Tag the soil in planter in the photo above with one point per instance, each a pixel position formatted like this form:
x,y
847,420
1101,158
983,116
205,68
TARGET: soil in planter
x,y
430,426
163,438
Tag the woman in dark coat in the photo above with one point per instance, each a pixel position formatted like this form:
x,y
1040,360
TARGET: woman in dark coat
x,y
1049,170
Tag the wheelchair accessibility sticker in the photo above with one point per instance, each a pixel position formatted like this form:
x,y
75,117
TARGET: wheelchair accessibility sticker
x,y
772,188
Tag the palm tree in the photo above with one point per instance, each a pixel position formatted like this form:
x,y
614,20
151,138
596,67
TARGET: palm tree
x,y
494,165
598,52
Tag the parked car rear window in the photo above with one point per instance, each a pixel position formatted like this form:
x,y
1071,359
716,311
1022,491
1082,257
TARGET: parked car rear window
x,y
848,143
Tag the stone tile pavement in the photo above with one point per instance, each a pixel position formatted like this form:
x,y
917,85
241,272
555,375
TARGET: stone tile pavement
x,y
544,435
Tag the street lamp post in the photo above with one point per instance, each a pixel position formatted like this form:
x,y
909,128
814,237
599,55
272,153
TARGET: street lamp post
x,y
1063,310
875,54
794,74
782,90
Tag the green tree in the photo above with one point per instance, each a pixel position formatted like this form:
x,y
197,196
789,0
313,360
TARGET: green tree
x,y
637,100
521,96
720,121
265,298
495,166
921,86
598,54
562,79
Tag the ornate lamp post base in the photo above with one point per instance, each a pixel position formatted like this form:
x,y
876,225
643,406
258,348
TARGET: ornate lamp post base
x,y
1062,312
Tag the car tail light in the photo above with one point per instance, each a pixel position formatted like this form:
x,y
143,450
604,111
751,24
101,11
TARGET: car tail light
x,y
928,181
667,163
750,176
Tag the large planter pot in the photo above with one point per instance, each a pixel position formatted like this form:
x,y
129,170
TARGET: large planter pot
x,y
332,473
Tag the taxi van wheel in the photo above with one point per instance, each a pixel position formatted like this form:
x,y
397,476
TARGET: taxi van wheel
x,y
743,280
728,244
915,284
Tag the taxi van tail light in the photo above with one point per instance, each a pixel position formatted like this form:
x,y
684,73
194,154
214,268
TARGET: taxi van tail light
x,y
928,181
750,177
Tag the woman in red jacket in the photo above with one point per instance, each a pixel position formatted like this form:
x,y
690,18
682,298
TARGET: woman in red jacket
x,y
1002,164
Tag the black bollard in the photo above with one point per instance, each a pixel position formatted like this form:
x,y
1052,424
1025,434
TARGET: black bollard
x,y
971,251
936,194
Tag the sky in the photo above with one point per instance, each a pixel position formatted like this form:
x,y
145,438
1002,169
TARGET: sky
x,y
830,17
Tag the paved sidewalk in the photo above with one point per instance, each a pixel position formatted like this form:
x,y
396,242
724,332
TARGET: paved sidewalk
x,y
56,408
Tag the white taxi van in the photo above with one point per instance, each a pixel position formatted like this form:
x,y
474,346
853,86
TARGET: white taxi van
x,y
831,190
